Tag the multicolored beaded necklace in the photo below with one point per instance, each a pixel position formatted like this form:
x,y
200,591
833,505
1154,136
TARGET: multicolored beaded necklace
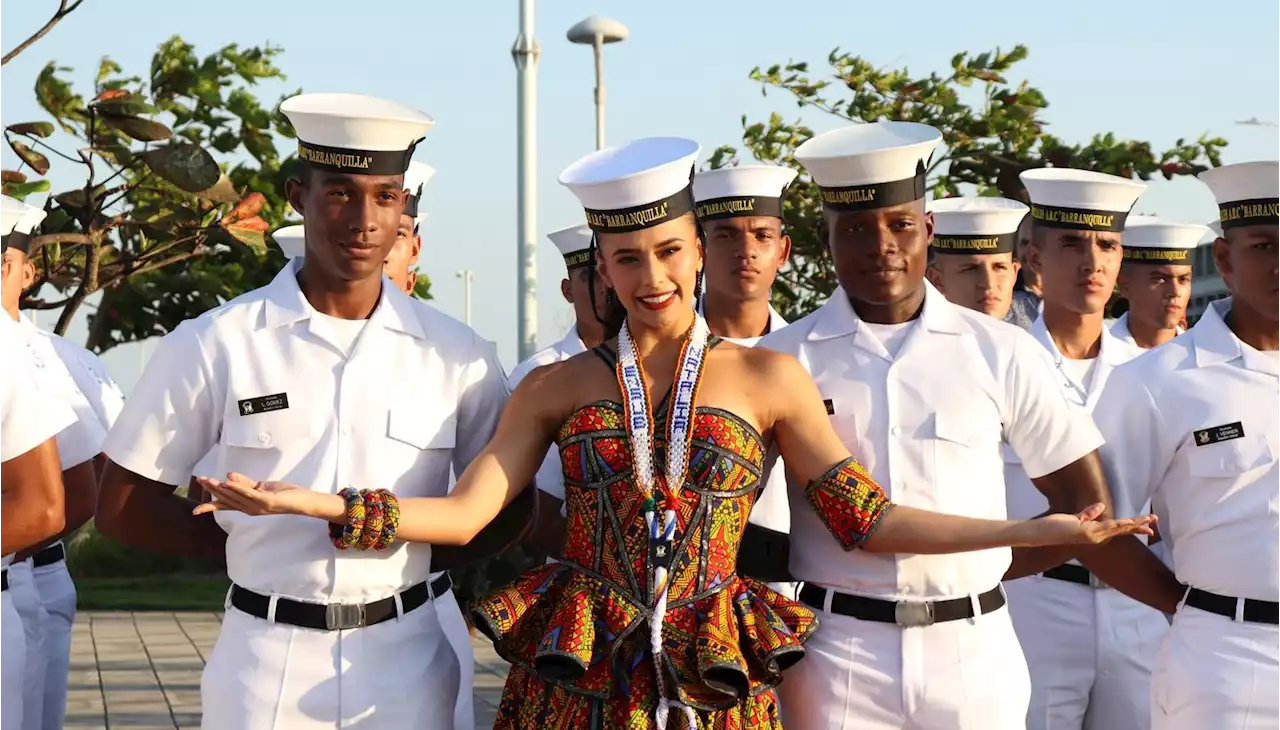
x,y
640,427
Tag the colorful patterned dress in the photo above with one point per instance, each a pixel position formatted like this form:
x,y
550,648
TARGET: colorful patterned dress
x,y
576,632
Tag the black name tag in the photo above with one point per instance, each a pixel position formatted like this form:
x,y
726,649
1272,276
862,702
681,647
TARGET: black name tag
x,y
264,404
1226,432
831,407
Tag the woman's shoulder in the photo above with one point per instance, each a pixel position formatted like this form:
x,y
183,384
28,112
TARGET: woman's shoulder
x,y
759,361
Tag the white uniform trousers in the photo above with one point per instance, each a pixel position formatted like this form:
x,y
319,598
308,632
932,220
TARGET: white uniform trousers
x,y
13,663
867,675
399,674
1089,651
1213,673
26,599
58,597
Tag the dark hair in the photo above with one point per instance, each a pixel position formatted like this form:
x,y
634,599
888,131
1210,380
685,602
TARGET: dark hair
x,y
615,313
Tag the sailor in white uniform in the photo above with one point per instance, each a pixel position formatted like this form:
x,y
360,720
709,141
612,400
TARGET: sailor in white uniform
x,y
401,263
42,589
403,255
1156,279
592,302
330,377
740,211
31,419
1192,427
923,392
1089,647
972,255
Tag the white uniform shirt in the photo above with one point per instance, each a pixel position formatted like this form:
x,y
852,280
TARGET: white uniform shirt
x,y
928,425
82,440
1120,330
89,373
550,477
1192,427
1024,499
258,378
28,417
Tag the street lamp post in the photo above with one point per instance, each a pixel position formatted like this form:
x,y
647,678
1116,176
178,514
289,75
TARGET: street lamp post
x,y
525,52
466,275
596,32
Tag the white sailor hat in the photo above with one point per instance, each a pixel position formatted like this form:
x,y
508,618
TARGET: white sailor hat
x,y
1080,200
637,185
574,244
355,134
1247,193
1215,228
12,210
975,225
741,192
292,241
17,221
415,179
868,166
1152,240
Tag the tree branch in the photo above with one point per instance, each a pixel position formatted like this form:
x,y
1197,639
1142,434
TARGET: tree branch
x,y
79,239
40,305
151,265
63,11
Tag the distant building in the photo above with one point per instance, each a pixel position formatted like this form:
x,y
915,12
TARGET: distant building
x,y
1206,283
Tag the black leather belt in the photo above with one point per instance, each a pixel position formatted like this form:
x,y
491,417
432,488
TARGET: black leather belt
x,y
338,616
1255,611
4,580
1072,573
49,556
902,613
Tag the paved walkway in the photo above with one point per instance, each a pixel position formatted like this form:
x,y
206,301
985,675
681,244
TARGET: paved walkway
x,y
142,671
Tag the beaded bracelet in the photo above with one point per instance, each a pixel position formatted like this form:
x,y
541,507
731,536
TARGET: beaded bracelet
x,y
390,520
354,528
375,508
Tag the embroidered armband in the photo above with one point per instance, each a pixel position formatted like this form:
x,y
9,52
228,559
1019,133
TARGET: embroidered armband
x,y
849,502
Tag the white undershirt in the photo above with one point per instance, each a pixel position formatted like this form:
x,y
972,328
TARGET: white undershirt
x,y
1080,372
890,335
344,332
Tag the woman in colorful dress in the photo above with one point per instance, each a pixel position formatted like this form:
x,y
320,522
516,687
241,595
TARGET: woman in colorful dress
x,y
662,434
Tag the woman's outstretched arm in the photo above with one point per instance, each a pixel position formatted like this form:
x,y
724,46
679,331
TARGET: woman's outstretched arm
x,y
859,514
495,477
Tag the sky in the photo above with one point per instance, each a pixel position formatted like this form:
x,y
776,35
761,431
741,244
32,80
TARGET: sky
x,y
1142,70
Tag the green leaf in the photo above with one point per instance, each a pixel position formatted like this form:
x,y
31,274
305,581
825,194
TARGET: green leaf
x,y
35,129
185,165
422,287
34,160
75,198
106,67
114,153
143,130
21,190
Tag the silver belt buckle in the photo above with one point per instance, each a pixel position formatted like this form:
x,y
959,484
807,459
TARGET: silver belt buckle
x,y
912,614
343,616
1095,582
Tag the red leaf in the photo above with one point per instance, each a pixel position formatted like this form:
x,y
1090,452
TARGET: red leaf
x,y
252,232
250,206
110,94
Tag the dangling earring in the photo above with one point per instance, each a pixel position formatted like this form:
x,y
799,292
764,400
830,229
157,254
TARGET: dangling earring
x,y
697,293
